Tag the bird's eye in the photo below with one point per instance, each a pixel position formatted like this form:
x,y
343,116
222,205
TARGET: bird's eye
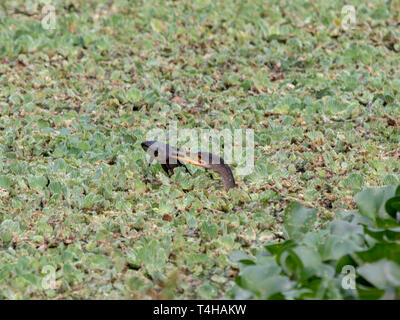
x,y
156,153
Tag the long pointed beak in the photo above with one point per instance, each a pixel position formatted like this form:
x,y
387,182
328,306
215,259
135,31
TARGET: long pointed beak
x,y
189,158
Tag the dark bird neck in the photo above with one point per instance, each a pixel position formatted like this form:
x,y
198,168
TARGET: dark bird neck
x,y
227,176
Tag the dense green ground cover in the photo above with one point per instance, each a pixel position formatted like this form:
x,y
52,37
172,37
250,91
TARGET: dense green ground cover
x,y
76,193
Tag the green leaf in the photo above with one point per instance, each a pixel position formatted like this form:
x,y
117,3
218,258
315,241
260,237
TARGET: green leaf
x,y
298,220
59,164
335,247
381,234
370,202
381,274
207,291
56,187
98,261
37,183
210,229
354,181
84,146
311,261
134,95
264,281
392,206
345,229
291,263
135,283
238,256
369,293
277,248
5,182
389,251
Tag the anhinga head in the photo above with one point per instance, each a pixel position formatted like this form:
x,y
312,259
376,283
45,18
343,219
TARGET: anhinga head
x,y
153,147
146,144
162,152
